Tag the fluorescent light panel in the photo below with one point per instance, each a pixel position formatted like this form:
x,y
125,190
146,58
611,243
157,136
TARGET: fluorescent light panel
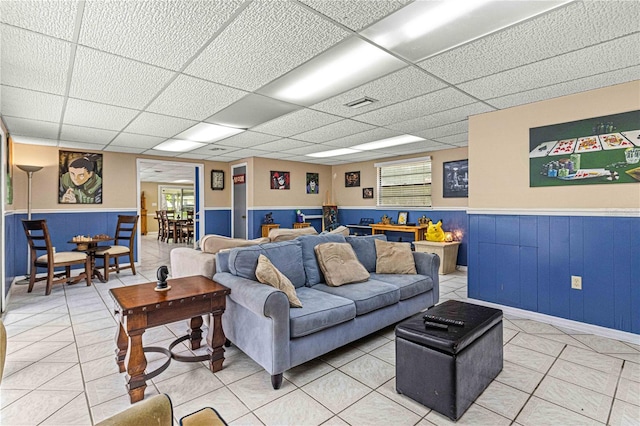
x,y
385,143
177,145
333,153
205,132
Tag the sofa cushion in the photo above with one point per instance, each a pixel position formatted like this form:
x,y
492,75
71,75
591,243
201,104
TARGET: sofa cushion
x,y
365,249
320,310
409,285
311,267
286,234
285,256
214,243
269,274
394,258
339,264
367,296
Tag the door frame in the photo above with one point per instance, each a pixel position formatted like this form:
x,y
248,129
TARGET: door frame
x,y
246,196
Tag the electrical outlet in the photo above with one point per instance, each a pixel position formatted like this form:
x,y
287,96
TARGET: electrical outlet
x,y
576,282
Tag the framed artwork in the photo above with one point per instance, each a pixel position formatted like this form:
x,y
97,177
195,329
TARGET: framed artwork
x,y
351,179
80,178
367,192
402,218
312,183
217,180
280,180
455,179
599,150
329,218
9,169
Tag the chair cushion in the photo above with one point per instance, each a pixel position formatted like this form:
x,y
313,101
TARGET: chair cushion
x,y
394,258
320,310
113,250
206,416
63,257
269,274
367,296
285,256
339,264
409,285
365,249
311,267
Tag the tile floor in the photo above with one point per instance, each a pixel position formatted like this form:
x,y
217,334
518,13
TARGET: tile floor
x,y
60,370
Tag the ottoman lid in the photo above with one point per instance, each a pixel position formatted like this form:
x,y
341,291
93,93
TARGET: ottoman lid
x,y
477,320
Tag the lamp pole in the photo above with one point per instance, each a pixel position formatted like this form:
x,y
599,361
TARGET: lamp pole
x,y
30,170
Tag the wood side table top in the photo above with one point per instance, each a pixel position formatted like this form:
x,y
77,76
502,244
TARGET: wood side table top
x,y
399,228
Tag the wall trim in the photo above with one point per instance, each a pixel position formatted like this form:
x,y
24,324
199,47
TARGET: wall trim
x,y
294,208
217,208
558,212
100,210
562,322
384,208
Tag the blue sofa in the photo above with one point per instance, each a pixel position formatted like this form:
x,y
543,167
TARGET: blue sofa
x,y
259,321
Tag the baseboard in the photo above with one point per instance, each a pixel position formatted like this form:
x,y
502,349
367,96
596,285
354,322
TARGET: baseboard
x,y
565,323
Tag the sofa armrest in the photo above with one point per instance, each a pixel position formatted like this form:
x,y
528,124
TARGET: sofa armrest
x,y
428,264
259,298
186,262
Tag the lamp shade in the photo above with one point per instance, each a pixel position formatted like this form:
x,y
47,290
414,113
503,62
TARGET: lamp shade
x,y
28,169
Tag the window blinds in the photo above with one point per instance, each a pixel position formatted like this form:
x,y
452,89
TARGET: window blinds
x,y
405,184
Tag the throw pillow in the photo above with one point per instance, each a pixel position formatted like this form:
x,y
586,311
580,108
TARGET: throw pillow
x,y
339,264
394,258
269,274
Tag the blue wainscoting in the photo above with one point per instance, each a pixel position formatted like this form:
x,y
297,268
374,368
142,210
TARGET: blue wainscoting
x,y
217,222
286,218
527,262
10,226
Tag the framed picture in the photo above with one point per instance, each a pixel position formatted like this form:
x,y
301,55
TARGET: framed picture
x,y
217,180
329,218
280,180
455,179
312,183
367,192
351,179
79,178
402,218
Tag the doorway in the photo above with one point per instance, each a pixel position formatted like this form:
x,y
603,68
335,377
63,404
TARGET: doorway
x,y
239,225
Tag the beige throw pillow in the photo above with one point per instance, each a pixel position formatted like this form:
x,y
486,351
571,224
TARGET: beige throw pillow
x,y
394,258
339,264
269,274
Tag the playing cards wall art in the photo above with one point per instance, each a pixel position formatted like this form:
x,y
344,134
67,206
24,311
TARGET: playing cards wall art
x,y
600,150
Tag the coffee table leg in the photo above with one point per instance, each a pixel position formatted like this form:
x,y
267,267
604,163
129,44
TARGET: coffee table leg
x,y
122,344
195,331
216,339
135,359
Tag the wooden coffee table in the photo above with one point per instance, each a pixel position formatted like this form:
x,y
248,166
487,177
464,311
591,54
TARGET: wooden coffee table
x,y
140,307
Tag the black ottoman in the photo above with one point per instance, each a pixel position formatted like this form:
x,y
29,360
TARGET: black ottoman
x,y
446,370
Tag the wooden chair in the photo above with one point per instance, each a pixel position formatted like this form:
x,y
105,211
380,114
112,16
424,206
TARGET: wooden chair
x,y
160,228
39,240
125,232
167,229
188,227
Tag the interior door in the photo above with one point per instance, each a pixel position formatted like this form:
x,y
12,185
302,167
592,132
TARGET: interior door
x,y
239,194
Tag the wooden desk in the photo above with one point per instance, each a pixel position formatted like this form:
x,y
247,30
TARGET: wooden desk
x,y
418,230
448,253
90,246
140,307
299,225
268,227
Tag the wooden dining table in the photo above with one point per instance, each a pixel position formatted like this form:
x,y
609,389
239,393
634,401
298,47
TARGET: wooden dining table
x,y
177,226
90,245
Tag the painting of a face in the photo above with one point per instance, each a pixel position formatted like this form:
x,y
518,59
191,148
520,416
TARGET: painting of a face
x,y
79,175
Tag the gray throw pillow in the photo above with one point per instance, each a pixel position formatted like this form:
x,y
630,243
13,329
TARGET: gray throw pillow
x,y
339,264
394,258
269,274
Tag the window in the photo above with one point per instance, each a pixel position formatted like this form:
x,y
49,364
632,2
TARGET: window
x,y
177,198
405,183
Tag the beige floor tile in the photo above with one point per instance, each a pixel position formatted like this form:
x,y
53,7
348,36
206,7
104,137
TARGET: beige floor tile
x,y
247,420
624,414
65,335
527,358
389,390
36,334
88,353
175,368
222,400
237,367
591,359
538,344
369,343
105,336
100,367
11,367
604,345
68,353
157,334
75,413
369,370
567,339
631,371
575,398
307,372
502,399
89,326
189,385
538,412
105,389
474,416
535,327
8,396
256,390
386,352
324,390
508,334
635,358
295,408
585,377
90,316
69,380
506,323
35,375
341,356
35,407
335,421
519,377
113,406
13,347
375,409
628,391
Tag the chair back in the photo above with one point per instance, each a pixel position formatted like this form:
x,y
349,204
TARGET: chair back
x,y
171,214
126,230
38,237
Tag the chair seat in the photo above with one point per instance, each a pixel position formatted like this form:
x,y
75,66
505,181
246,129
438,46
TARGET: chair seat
x,y
63,257
114,250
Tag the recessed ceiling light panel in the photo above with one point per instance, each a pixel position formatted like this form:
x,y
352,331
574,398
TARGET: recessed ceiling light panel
x,y
177,145
385,143
333,153
205,132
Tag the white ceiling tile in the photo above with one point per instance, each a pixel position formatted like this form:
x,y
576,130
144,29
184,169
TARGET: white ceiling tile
x,y
623,13
136,141
31,128
396,87
446,130
26,140
356,14
163,33
212,149
81,145
454,139
160,153
246,140
244,153
91,114
24,103
148,123
282,145
54,18
334,131
194,156
430,103
261,45
568,88
276,155
296,122
86,134
601,58
307,149
193,98
113,80
360,138
33,61
440,118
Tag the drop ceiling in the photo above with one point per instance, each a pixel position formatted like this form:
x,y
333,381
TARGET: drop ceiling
x,y
125,76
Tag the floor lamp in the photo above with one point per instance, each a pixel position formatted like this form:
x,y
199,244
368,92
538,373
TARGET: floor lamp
x,y
30,170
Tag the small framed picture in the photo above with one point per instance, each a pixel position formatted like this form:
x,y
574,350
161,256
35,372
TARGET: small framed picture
x,y
367,192
280,180
312,183
455,179
402,218
351,179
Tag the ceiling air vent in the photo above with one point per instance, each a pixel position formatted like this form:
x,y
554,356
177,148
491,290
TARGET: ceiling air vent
x,y
361,102
216,148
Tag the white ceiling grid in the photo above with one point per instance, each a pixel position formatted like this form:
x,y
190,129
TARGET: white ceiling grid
x,y
140,72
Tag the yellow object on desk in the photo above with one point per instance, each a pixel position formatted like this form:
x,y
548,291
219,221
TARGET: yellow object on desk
x,y
448,253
